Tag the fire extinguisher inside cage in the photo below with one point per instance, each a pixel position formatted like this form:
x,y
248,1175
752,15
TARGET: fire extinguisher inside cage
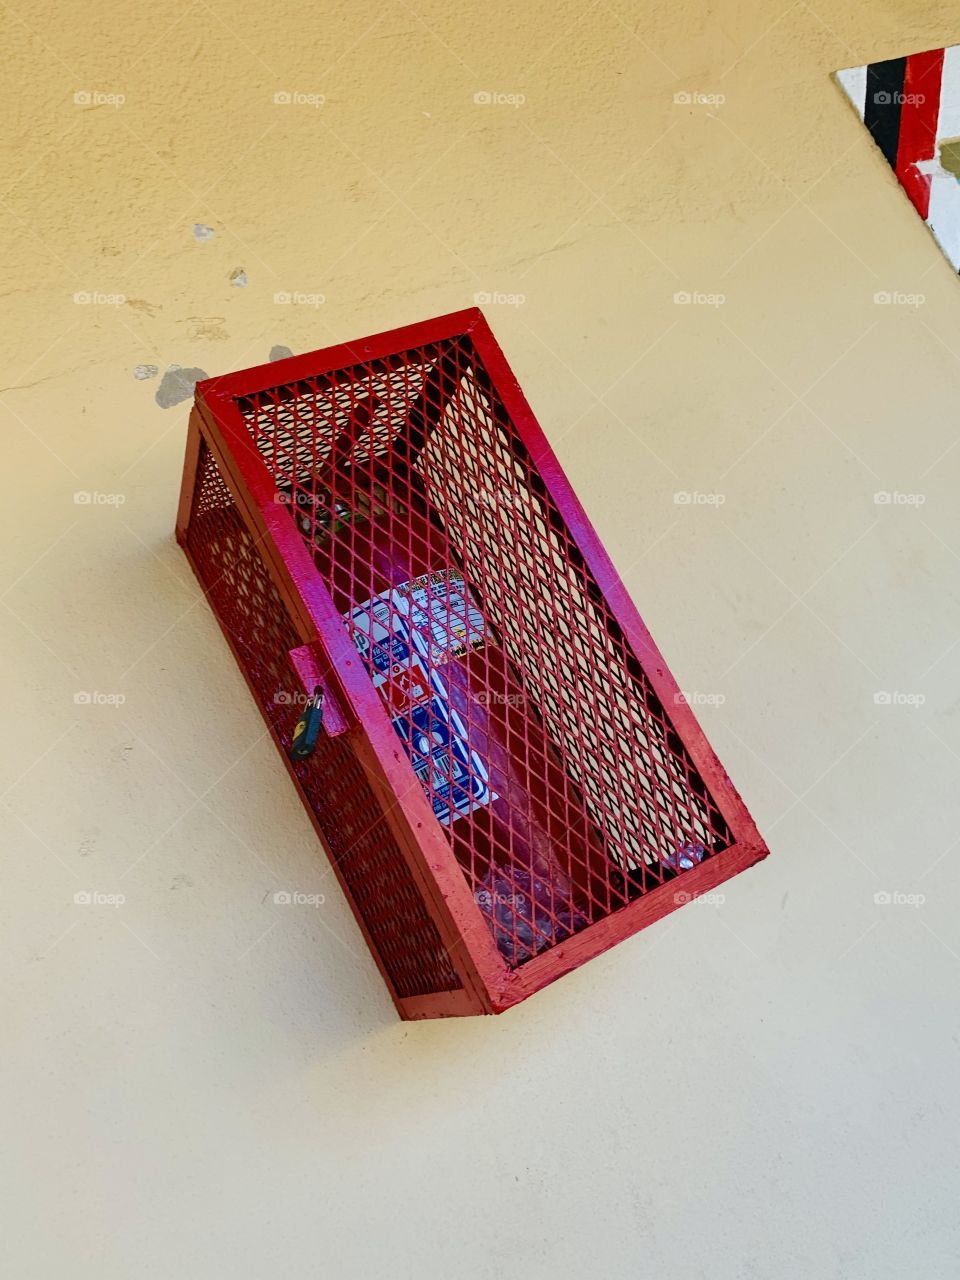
x,y
494,751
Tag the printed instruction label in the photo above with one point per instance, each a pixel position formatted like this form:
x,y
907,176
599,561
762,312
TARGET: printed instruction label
x,y
442,614
401,634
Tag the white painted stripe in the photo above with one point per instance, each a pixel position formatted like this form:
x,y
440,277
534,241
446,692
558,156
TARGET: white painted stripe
x,y
853,82
948,121
943,217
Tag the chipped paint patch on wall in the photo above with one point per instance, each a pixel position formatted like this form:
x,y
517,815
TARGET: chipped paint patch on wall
x,y
911,106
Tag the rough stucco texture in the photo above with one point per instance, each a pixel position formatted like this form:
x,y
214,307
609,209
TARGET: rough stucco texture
x,y
203,1084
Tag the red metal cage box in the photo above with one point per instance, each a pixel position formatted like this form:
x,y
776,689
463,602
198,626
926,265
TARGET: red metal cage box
x,y
506,778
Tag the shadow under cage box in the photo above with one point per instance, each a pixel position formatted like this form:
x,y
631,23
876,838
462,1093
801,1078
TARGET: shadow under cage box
x,y
490,745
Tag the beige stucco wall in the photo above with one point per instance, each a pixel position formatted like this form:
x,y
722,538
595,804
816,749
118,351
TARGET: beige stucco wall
x,y
203,1085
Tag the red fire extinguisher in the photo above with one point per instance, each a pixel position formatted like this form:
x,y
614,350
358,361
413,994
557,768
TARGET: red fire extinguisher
x,y
453,697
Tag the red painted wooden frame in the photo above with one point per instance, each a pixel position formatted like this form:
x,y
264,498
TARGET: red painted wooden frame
x,y
327,656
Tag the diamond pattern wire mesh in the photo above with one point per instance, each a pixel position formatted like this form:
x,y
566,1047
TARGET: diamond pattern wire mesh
x,y
549,760
370,864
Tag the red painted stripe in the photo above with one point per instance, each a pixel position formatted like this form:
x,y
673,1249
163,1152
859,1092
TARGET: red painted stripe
x,y
918,124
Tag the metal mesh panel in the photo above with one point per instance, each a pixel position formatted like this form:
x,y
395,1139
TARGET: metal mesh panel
x,y
545,753
249,607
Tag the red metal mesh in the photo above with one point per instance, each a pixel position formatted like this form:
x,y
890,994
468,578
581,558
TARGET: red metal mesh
x,y
410,465
240,590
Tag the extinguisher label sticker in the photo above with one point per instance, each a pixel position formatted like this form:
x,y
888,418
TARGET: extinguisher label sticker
x,y
442,615
399,634
452,775
382,641
435,610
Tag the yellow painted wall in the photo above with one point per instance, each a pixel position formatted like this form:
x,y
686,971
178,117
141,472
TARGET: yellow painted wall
x,y
205,1085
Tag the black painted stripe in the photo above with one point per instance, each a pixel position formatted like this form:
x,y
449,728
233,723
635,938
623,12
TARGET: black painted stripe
x,y
881,108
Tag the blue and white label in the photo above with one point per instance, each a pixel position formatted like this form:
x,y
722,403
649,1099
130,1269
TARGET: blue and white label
x,y
452,775
400,634
443,618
